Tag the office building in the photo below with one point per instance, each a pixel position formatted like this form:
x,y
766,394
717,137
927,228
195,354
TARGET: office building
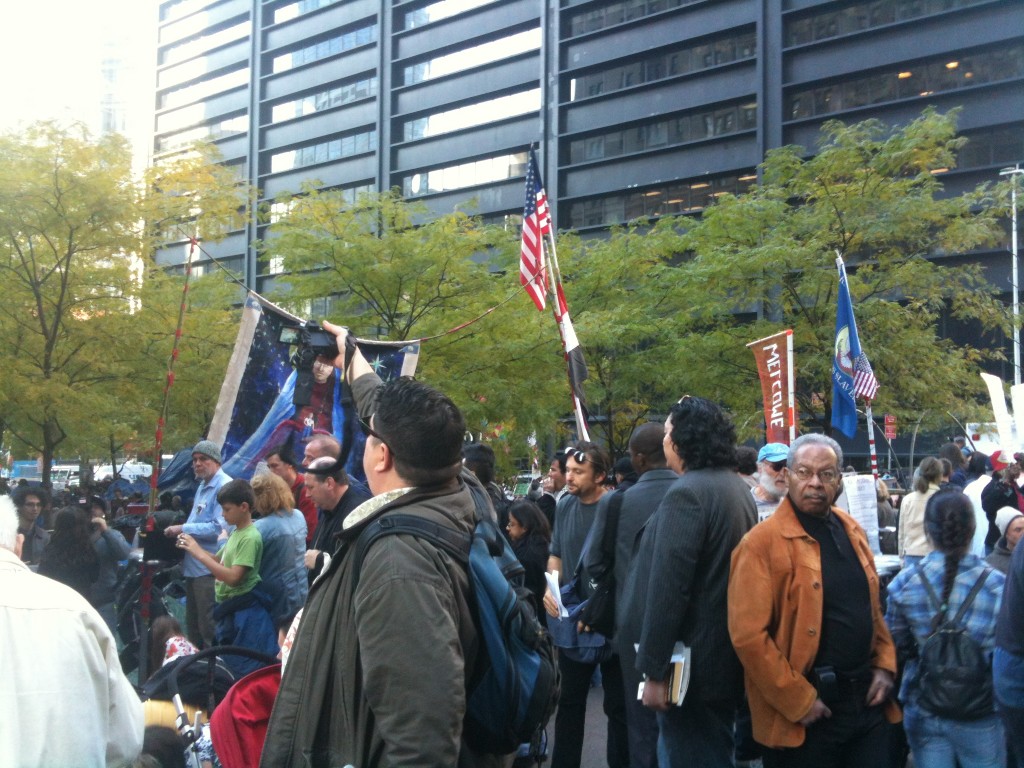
x,y
638,107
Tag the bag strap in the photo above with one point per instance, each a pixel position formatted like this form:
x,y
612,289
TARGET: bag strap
x,y
941,610
971,595
455,543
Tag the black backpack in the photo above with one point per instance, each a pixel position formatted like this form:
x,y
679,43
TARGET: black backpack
x,y
954,673
514,686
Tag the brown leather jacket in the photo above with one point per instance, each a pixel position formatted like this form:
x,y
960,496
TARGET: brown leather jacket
x,y
775,617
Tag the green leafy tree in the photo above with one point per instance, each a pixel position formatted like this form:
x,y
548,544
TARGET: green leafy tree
x,y
395,273
73,254
871,194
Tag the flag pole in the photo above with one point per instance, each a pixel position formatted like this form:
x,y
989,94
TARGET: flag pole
x,y
559,307
792,386
871,439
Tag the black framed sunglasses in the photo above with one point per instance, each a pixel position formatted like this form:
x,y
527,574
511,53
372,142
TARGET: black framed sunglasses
x,y
369,431
575,453
778,466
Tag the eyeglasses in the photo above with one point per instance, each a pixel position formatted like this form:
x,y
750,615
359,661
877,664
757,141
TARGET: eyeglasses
x,y
827,476
371,432
681,399
777,466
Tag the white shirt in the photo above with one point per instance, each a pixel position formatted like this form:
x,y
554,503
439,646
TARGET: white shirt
x,y
973,492
64,700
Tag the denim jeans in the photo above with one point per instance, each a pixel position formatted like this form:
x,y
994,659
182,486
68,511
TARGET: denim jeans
x,y
938,742
696,735
1008,675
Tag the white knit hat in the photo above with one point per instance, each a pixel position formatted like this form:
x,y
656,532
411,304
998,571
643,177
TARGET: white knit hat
x,y
1004,517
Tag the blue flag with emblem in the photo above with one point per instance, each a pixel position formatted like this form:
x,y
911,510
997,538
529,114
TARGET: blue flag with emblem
x,y
851,372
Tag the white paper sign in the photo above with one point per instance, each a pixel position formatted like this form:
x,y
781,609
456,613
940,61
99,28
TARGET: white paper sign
x,y
862,504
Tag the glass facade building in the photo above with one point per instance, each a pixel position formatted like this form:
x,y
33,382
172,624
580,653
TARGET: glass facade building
x,y
637,107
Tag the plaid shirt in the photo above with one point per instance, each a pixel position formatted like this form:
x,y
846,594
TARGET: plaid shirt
x,y
910,613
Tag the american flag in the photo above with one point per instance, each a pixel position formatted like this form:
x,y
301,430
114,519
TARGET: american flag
x,y
864,382
536,224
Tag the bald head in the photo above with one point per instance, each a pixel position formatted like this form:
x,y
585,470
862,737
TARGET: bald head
x,y
645,447
319,447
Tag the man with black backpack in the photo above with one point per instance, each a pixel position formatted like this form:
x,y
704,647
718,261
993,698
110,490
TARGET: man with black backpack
x,y
388,640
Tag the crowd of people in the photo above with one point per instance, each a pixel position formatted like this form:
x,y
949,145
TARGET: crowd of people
x,y
734,561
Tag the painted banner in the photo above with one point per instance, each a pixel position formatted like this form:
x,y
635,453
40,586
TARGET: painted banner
x,y
775,367
255,412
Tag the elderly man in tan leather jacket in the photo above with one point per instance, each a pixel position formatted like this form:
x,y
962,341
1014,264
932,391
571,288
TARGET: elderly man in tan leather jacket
x,y
805,619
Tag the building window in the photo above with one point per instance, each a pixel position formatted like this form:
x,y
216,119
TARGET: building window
x,y
325,151
471,115
207,42
444,9
323,49
679,61
475,56
863,15
346,93
229,126
190,93
581,22
484,171
673,130
294,10
686,197
924,79
993,146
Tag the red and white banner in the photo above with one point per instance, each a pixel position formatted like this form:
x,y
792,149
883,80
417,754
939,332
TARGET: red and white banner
x,y
774,356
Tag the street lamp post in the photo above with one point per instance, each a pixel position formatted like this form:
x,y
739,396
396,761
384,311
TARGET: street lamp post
x,y
1013,173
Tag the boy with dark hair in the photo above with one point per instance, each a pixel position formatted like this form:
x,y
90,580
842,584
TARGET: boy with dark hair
x,y
242,612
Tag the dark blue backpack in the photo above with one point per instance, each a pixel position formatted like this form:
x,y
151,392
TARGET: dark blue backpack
x,y
514,687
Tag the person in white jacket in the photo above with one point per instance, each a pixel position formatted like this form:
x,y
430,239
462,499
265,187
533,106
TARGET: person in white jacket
x,y
64,699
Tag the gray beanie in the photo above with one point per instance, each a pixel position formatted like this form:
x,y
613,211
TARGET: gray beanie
x,y
207,448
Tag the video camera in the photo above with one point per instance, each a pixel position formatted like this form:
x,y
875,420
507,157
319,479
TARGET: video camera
x,y
311,341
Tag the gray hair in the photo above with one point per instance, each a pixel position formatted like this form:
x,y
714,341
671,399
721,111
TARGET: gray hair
x,y
8,524
814,438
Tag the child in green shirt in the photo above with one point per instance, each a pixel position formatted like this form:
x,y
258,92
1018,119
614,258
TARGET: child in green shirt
x,y
242,611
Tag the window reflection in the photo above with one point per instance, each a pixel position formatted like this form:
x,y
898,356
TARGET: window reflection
x,y
335,149
207,42
484,171
611,14
230,126
691,58
467,58
920,80
201,90
294,10
480,113
864,15
441,10
670,131
682,197
346,93
325,48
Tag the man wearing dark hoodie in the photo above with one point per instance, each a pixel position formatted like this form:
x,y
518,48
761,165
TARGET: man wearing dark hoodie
x,y
378,668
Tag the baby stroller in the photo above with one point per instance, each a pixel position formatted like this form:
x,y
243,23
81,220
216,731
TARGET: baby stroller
x,y
201,682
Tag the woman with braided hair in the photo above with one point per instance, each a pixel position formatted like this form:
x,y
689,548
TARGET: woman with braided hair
x,y
952,573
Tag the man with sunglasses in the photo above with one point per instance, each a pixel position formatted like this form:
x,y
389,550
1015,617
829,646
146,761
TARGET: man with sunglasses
x,y
586,467
771,478
381,656
806,623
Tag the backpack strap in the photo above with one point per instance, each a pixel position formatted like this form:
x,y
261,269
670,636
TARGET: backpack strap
x,y
940,609
971,595
453,542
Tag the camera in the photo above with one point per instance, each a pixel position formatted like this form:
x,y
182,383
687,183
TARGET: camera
x,y
311,341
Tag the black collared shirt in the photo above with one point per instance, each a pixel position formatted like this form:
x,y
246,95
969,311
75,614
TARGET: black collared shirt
x,y
847,627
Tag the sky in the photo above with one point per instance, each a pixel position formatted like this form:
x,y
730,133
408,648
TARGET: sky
x,y
51,54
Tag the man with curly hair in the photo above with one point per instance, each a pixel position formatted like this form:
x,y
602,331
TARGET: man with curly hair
x,y
678,582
